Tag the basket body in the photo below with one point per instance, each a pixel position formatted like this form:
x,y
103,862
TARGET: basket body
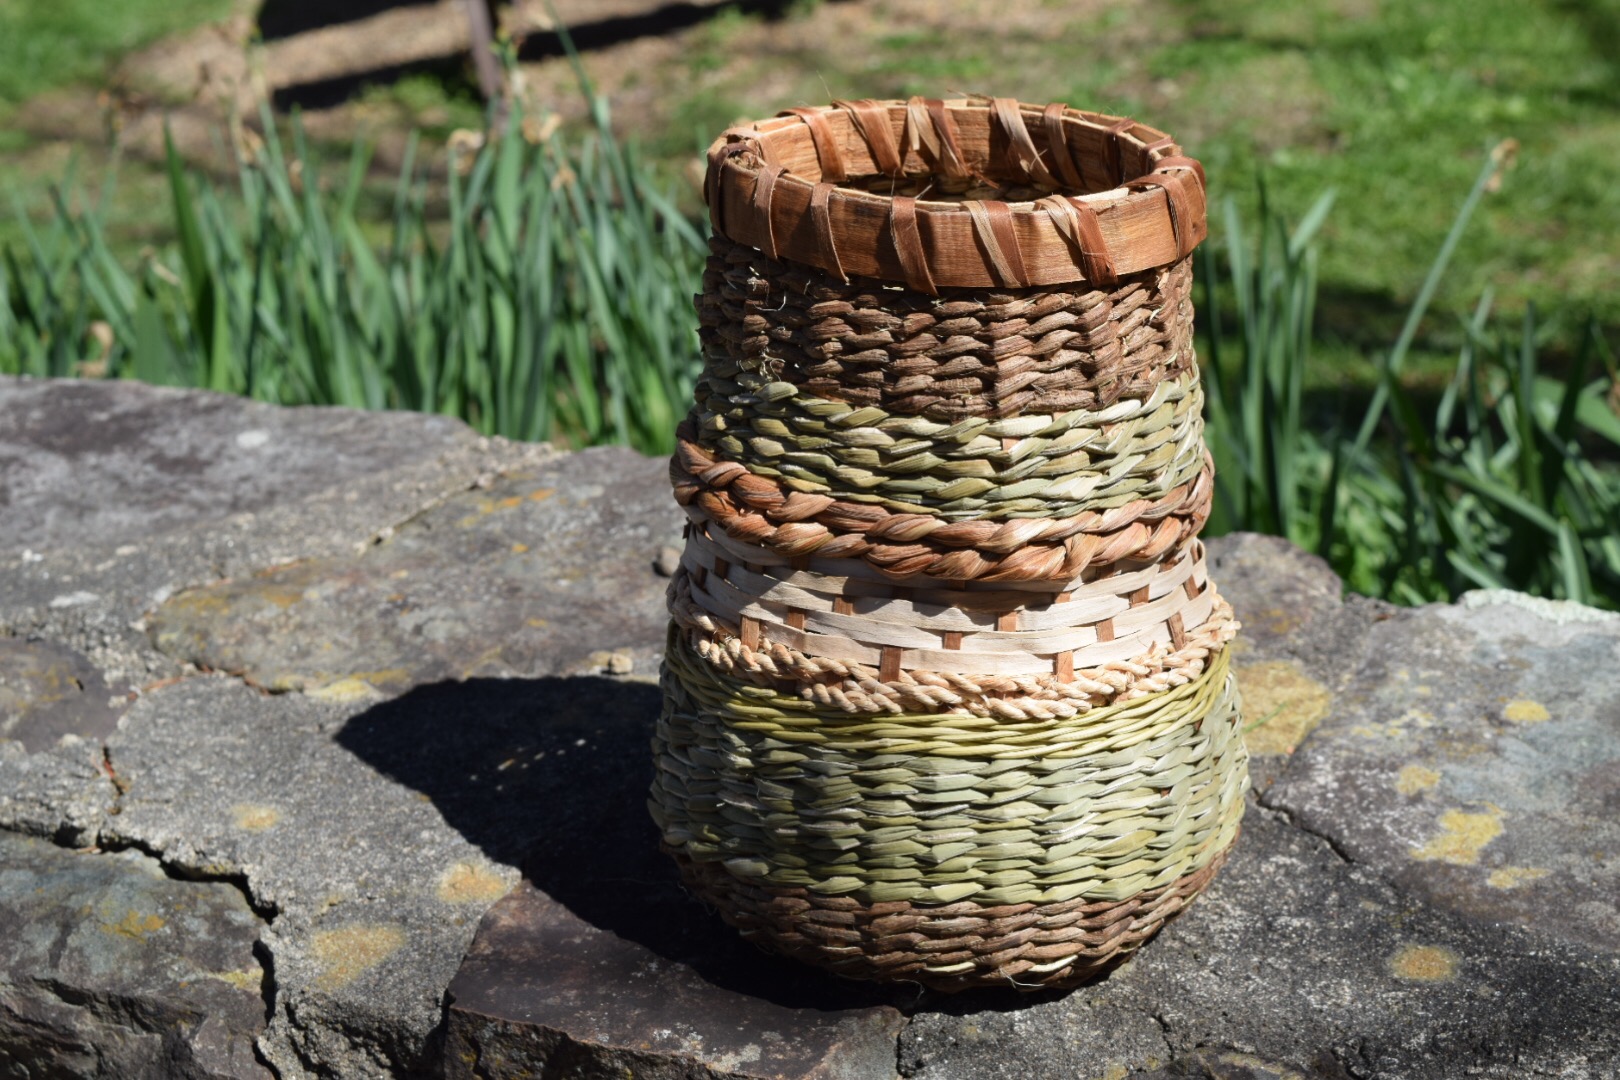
x,y
947,693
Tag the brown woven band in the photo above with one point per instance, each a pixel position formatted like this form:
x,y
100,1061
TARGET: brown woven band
x,y
949,947
1143,203
758,510
962,354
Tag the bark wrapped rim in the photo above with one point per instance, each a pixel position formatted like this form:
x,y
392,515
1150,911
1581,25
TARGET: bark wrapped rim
x,y
1119,196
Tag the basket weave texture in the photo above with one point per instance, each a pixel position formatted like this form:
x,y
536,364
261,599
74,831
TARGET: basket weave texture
x,y
947,692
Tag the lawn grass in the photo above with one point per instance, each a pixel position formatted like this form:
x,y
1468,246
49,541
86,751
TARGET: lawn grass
x,y
1392,105
46,44
51,46
1400,106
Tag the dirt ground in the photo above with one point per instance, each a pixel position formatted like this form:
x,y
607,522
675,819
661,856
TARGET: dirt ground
x,y
674,74
1261,92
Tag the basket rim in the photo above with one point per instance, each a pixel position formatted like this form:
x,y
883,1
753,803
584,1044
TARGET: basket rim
x,y
778,185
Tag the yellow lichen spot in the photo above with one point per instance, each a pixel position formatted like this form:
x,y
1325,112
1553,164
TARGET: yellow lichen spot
x,y
541,494
1283,703
1116,1071
471,883
1462,836
1511,877
394,676
282,596
135,926
1276,621
1396,726
347,953
1424,963
1416,778
250,979
201,602
519,549
537,623
253,817
344,690
360,686
1525,711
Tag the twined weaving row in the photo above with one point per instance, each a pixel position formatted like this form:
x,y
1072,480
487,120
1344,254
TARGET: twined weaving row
x,y
967,353
860,688
1033,465
945,946
945,807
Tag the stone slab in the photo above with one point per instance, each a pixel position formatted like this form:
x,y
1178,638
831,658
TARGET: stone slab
x,y
114,495
1304,964
1474,760
1300,643
553,774
61,794
119,461
429,744
48,691
497,582
110,968
544,992
370,894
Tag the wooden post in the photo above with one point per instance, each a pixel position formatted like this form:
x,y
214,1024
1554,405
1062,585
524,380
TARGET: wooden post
x,y
490,83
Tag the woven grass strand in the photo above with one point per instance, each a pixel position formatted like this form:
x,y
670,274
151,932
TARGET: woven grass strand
x,y
939,808
756,510
948,947
964,353
975,468
1114,617
860,688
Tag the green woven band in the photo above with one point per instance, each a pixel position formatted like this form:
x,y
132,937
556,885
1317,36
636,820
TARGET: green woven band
x,y
1034,466
947,807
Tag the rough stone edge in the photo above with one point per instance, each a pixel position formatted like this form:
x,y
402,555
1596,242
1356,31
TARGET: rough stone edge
x,y
1557,612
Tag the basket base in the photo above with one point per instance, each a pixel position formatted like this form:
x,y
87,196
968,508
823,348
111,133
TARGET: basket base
x,y
948,947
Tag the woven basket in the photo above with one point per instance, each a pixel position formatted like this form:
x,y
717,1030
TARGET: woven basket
x,y
947,693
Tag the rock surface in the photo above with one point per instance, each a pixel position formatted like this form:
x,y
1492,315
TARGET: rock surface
x,y
128,972
543,991
357,708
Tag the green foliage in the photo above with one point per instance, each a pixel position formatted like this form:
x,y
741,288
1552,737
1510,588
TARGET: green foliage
x,y
553,300
1507,480
48,44
1388,103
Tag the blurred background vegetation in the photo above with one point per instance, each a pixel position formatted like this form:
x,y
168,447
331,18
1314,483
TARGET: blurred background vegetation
x,y
1408,313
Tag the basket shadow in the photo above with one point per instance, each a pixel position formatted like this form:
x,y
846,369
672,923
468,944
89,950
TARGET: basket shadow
x,y
552,775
